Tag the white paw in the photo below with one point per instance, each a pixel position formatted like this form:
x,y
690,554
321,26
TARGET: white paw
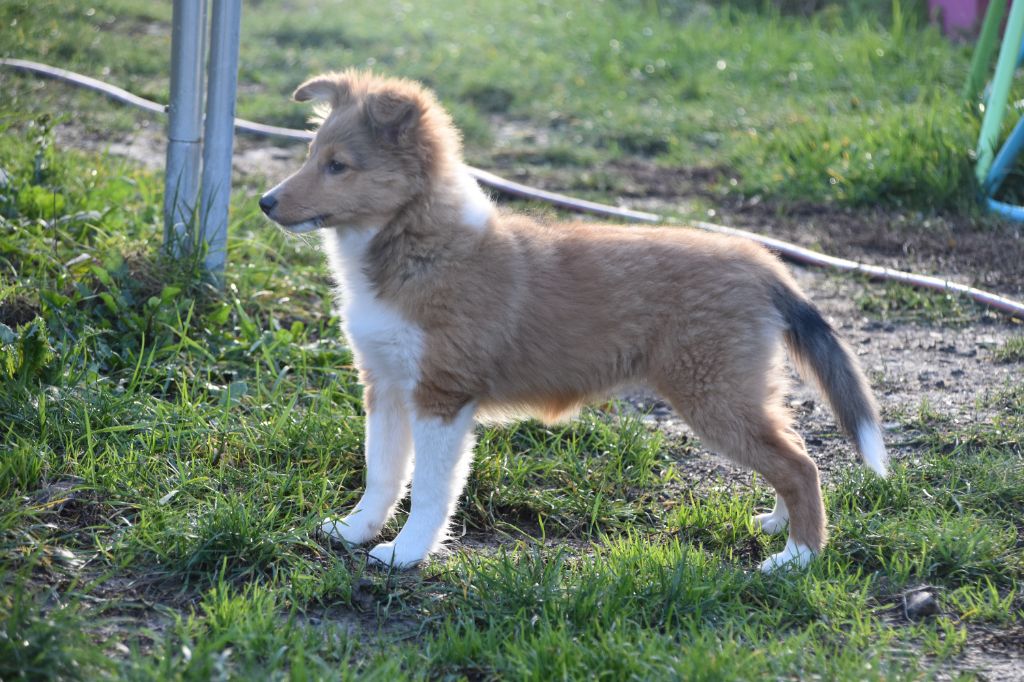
x,y
396,555
792,556
349,530
771,522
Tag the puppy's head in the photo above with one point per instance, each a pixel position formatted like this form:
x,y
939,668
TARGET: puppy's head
x,y
381,143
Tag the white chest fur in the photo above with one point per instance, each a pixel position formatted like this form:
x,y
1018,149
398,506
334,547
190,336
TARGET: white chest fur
x,y
384,342
476,207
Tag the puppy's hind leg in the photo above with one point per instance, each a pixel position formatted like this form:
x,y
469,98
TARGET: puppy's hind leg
x,y
756,434
777,519
444,452
782,459
388,465
778,455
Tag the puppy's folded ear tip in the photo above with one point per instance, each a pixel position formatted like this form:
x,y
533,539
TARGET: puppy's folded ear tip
x,y
333,88
319,89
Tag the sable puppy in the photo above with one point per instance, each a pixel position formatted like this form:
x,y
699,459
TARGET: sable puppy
x,y
457,311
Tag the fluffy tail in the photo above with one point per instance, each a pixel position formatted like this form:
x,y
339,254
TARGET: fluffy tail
x,y
820,353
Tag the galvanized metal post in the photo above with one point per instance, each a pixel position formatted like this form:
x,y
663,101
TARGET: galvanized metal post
x,y
181,187
218,144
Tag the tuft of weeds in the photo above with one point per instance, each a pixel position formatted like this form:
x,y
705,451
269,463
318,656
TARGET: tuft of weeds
x,y
900,302
45,641
21,470
232,537
1011,351
591,474
242,634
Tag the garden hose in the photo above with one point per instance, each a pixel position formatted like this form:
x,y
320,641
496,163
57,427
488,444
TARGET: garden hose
x,y
785,249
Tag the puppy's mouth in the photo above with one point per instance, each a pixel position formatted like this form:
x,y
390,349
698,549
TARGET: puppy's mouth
x,y
308,225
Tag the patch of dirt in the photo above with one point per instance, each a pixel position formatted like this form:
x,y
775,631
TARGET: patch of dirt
x,y
979,252
254,160
17,310
993,654
645,179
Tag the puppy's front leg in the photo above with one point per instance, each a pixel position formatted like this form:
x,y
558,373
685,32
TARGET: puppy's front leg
x,y
444,452
388,464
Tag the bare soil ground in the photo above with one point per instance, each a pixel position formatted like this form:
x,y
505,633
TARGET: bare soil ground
x,y
915,364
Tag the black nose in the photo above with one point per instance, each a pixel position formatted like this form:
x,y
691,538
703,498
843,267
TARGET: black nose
x,y
267,203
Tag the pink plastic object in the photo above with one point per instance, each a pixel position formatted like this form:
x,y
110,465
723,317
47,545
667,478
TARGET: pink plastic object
x,y
959,18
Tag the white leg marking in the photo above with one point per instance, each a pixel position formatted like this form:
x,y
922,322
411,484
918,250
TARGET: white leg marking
x,y
388,465
872,448
444,451
794,555
775,520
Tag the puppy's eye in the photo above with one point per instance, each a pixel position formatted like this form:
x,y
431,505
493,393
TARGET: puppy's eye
x,y
336,167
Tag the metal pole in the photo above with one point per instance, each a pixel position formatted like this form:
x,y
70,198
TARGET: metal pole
x,y
185,121
225,31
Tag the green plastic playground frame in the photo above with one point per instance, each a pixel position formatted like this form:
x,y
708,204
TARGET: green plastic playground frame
x,y
992,168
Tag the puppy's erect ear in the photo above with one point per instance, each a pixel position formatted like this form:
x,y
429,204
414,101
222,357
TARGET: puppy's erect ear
x,y
330,88
393,116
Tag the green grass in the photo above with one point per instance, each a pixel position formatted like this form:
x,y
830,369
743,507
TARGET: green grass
x,y
857,105
168,448
903,303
